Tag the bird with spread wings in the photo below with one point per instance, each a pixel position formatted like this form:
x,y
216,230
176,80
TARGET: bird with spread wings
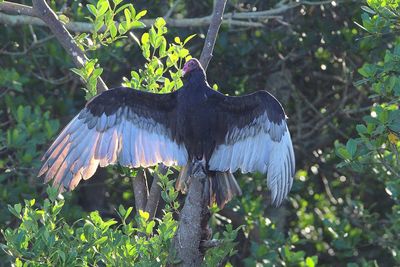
x,y
140,129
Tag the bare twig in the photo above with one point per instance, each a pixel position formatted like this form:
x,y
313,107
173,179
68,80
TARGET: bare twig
x,y
172,9
33,45
211,243
44,12
328,191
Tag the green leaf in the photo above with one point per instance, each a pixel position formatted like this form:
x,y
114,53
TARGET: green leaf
x,y
311,261
92,9
136,25
62,255
122,29
64,19
343,153
361,129
98,25
128,212
163,46
141,14
113,30
127,15
149,227
153,36
14,211
145,38
117,2
97,72
79,72
20,114
351,147
368,10
102,7
367,70
143,214
57,207
177,40
123,7
190,37
160,22
101,240
52,193
183,53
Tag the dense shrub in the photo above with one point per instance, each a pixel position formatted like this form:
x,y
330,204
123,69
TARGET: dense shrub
x,y
344,206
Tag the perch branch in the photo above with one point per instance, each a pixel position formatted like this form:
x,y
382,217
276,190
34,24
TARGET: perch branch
x,y
188,238
44,12
193,226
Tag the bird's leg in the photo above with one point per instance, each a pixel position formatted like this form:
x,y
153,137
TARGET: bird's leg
x,y
199,169
196,169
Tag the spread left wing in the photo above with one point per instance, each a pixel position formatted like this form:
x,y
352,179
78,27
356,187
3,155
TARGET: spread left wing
x,y
252,135
131,127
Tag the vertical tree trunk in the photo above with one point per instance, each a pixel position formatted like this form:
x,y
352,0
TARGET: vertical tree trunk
x,y
193,225
193,221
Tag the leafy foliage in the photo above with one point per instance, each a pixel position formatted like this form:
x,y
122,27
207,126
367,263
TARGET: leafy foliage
x,y
377,145
343,208
44,238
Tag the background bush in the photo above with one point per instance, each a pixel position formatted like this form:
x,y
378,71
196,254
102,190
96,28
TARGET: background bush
x,y
335,67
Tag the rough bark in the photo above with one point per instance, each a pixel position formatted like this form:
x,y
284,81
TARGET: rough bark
x,y
140,191
192,218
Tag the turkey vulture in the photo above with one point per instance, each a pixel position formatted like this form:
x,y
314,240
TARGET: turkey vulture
x,y
141,129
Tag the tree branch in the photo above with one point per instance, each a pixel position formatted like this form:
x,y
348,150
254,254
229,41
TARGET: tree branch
x,y
193,227
256,19
16,8
140,191
212,33
188,238
72,26
44,12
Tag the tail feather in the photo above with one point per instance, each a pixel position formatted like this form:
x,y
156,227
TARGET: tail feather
x,y
223,188
220,187
182,183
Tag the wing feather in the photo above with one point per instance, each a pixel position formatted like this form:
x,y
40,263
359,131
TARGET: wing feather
x,y
254,137
121,125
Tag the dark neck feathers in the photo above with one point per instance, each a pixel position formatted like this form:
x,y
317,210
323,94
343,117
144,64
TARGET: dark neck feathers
x,y
197,77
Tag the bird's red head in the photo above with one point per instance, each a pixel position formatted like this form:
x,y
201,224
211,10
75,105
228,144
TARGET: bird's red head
x,y
191,65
